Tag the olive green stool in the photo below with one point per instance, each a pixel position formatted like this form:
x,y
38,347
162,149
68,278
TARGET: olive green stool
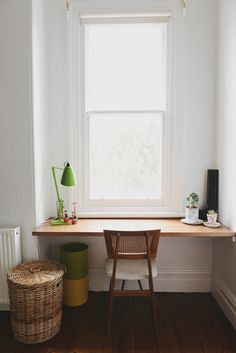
x,y
74,256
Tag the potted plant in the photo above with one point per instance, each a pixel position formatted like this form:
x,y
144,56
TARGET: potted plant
x,y
192,211
211,216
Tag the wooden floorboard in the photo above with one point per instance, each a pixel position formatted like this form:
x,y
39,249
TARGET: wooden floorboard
x,y
145,340
187,323
166,335
208,338
223,329
122,325
184,330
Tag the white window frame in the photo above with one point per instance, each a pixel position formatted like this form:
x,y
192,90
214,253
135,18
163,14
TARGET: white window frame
x,y
173,120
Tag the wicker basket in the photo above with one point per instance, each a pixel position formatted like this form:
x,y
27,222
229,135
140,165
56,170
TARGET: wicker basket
x,y
35,291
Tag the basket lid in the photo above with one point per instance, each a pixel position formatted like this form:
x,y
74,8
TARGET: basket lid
x,y
36,272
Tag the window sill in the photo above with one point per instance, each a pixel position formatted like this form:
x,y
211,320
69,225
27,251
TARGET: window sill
x,y
136,215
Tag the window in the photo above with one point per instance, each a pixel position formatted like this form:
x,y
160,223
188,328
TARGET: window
x,y
124,127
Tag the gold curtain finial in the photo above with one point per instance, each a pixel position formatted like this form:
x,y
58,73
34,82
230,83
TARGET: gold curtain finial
x,y
184,7
67,7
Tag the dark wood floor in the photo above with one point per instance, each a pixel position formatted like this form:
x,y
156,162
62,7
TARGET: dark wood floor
x,y
187,323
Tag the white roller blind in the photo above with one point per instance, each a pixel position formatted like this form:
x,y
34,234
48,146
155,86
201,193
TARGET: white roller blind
x,y
92,18
125,66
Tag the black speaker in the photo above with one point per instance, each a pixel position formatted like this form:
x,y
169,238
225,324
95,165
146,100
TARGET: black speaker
x,y
203,214
212,189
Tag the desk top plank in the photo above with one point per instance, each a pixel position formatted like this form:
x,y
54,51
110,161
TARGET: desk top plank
x,y
95,227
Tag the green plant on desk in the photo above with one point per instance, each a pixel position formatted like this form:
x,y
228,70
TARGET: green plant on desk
x,y
193,200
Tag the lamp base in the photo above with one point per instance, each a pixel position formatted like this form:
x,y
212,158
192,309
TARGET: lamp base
x,y
58,222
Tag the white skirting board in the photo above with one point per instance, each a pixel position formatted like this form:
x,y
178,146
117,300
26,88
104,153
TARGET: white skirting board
x,y
225,298
168,280
4,307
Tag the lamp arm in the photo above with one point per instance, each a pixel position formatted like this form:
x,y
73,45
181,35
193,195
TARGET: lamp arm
x,y
55,181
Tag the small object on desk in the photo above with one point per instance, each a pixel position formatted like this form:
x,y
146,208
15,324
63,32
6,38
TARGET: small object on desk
x,y
58,222
212,216
212,225
191,210
67,179
73,221
184,220
203,214
74,210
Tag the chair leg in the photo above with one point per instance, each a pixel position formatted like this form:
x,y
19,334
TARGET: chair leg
x,y
110,309
151,287
140,284
123,284
112,282
154,311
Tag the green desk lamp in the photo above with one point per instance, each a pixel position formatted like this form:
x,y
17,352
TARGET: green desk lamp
x,y
67,179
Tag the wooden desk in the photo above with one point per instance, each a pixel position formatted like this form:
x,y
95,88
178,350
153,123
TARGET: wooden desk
x,y
169,228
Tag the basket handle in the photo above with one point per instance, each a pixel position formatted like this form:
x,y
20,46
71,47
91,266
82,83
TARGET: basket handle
x,y
35,269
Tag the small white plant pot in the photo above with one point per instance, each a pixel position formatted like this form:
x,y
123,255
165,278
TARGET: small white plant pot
x,y
212,218
191,214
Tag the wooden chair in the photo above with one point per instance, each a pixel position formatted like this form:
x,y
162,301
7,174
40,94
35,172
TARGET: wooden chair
x,y
131,256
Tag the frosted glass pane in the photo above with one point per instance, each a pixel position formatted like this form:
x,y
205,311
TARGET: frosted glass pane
x,y
125,156
125,66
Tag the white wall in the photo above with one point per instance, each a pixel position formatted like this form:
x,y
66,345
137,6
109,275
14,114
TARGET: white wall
x,y
199,95
56,28
16,142
224,264
50,101
184,264
42,150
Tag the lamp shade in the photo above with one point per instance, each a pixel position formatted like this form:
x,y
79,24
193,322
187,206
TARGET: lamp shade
x,y
68,176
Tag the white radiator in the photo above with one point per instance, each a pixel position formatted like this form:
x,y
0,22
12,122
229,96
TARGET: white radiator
x,y
10,255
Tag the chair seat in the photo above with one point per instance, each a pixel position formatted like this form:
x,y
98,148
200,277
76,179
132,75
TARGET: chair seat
x,y
131,269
